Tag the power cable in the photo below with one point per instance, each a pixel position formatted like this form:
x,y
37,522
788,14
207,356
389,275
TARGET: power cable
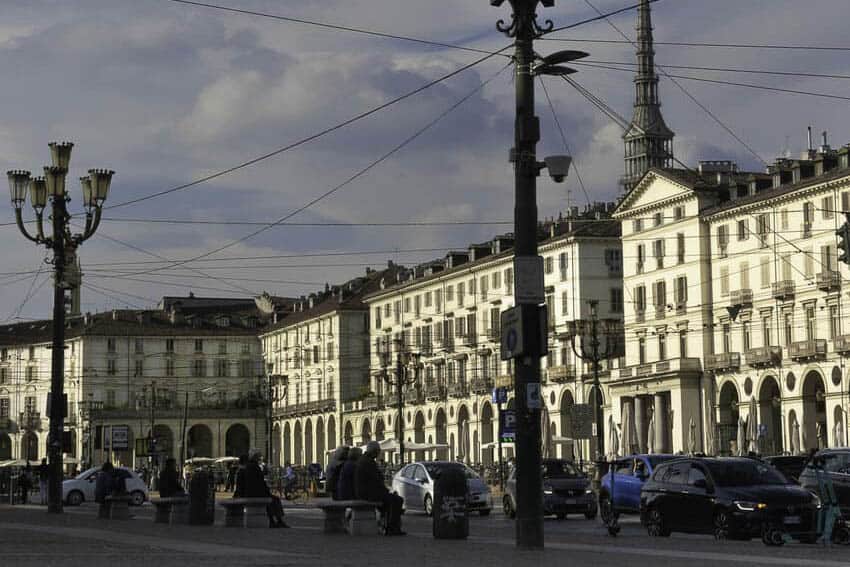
x,y
410,224
600,17
723,69
696,44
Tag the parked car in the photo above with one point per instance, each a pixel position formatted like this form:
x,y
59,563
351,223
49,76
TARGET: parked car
x,y
415,483
836,463
732,497
791,466
77,490
566,490
629,475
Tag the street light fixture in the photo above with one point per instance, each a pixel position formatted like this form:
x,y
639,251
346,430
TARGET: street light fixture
x,y
404,360
63,244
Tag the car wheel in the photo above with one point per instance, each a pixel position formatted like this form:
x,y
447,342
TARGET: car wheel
x,y
722,529
137,498
604,507
483,512
508,507
655,525
75,498
429,505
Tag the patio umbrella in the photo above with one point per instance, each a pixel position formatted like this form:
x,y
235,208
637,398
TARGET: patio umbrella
x,y
464,443
742,437
710,449
650,435
628,430
795,437
545,433
753,426
838,437
821,435
613,438
692,437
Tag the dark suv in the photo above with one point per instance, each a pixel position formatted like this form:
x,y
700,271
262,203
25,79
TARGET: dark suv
x,y
566,490
734,498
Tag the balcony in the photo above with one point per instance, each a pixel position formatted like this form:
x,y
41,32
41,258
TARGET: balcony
x,y
725,361
640,316
414,396
806,230
458,390
742,297
481,385
829,280
764,356
644,370
783,289
30,420
561,374
661,367
5,424
426,349
842,345
372,401
808,350
494,334
660,311
470,339
435,392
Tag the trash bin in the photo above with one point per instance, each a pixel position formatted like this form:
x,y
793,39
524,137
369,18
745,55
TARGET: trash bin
x,y
450,517
202,499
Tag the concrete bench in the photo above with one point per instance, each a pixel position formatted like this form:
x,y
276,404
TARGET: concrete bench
x,y
171,510
115,507
246,512
362,519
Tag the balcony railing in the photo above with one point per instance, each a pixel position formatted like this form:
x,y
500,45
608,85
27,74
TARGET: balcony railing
x,y
640,316
494,334
842,344
783,289
723,361
414,396
807,350
306,408
561,374
764,356
30,420
644,369
481,385
681,308
741,297
470,339
829,280
435,392
458,390
661,367
426,349
660,311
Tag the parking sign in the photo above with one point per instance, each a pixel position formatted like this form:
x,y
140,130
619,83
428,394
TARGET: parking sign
x,y
507,425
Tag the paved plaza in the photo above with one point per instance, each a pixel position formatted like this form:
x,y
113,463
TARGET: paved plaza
x,y
29,536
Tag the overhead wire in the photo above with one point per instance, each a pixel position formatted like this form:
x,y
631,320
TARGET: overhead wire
x,y
702,44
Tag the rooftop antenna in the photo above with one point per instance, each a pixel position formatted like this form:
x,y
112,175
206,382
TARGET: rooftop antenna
x,y
810,139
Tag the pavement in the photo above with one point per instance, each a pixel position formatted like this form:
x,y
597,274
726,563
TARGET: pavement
x,y
29,536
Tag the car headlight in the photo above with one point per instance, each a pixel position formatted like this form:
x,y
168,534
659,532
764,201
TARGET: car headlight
x,y
746,506
547,490
588,491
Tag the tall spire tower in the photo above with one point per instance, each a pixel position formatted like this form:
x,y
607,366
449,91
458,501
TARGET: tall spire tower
x,y
649,142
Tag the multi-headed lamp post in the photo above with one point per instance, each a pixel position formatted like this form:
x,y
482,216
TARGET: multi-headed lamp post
x,y
63,243
402,379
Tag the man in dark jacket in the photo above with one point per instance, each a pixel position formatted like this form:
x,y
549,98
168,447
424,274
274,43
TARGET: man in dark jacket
x,y
346,485
105,482
334,469
369,485
250,483
169,480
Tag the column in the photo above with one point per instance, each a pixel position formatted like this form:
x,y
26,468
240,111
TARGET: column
x,y
660,415
640,423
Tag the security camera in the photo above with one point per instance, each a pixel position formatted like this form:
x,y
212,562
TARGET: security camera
x,y
558,166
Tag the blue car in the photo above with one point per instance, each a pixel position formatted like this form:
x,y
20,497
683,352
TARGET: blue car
x,y
629,475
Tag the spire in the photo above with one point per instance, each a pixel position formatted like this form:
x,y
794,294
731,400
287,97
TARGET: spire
x,y
648,141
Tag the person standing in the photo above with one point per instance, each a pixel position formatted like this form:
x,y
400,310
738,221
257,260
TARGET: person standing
x,y
43,476
369,485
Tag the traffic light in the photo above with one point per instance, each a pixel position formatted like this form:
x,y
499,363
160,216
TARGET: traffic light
x,y
843,234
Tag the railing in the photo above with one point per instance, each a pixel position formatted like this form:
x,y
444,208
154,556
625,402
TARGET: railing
x,y
481,385
764,356
561,374
627,372
723,361
29,420
640,316
435,391
741,297
414,396
681,308
644,370
829,280
841,344
783,289
660,311
426,349
306,408
373,401
494,334
804,350
458,390
470,339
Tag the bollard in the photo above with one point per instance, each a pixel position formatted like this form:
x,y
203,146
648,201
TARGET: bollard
x,y
202,499
450,515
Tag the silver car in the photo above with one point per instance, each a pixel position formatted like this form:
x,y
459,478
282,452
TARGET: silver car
x,y
415,483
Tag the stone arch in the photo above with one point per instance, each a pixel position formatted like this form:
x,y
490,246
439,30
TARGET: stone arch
x,y
348,434
308,442
487,434
728,413
566,414
5,447
321,450
380,428
596,399
287,443
365,431
419,433
199,441
770,414
332,440
814,411
464,441
441,428
237,440
274,458
29,446
297,444
164,442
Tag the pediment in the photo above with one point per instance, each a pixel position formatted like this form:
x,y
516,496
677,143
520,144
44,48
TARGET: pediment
x,y
655,188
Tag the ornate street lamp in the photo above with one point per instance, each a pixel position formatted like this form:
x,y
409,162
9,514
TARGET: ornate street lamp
x,y
403,378
63,243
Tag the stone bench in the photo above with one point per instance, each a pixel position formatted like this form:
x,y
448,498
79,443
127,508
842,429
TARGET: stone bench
x,y
361,521
115,507
245,512
171,510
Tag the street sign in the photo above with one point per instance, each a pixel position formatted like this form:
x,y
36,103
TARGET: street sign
x,y
532,395
505,381
500,396
528,280
581,417
511,334
120,438
507,425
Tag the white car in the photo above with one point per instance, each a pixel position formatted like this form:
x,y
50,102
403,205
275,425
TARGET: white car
x,y
415,484
77,490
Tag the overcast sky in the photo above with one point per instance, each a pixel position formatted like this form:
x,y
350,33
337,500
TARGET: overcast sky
x,y
165,93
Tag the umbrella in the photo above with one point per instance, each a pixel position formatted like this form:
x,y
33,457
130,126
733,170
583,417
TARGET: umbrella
x,y
628,425
753,426
742,437
795,437
692,437
838,437
614,438
464,442
545,433
650,435
710,449
820,435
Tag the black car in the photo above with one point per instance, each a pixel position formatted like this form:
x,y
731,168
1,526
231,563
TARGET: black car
x,y
566,490
836,464
789,465
732,498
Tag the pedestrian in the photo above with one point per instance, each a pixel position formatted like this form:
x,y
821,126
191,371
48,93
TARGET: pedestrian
x,y
105,483
333,469
25,483
369,485
345,487
169,480
250,483
43,476
230,482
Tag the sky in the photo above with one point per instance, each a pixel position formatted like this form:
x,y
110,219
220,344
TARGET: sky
x,y
166,93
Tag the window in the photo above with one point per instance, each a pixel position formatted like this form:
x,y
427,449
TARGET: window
x,y
680,248
683,344
329,350
786,266
110,346
743,230
659,297
783,219
221,367
397,311
30,405
788,323
110,398
827,207
483,283
640,299
169,367
562,264
222,347
658,252
549,265
495,322
4,375
745,334
245,366
641,257
808,218
199,368
450,293
616,300
565,303
460,293
763,228
4,408
30,373
695,474
834,323
438,301
810,323
637,225
4,354
387,309
681,290
808,263
722,240
417,305
744,273
316,354
662,346
169,346
377,317
678,213
828,258
140,346
613,259
509,277
765,331
407,305
657,219
641,350
765,272
199,345
724,281
138,368
496,280
727,337
111,367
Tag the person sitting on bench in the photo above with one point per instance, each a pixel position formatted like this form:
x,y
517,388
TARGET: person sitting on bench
x,y
369,485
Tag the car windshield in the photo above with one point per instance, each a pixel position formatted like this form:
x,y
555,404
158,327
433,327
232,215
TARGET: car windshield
x,y
742,473
656,460
86,474
434,469
560,469
837,462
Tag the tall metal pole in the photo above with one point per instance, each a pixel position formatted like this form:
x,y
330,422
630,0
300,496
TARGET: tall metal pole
x,y
269,421
57,378
400,401
597,392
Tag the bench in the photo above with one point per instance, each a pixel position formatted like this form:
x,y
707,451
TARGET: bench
x,y
245,512
171,510
115,507
361,521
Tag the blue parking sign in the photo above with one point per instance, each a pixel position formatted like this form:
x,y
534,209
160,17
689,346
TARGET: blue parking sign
x,y
500,395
